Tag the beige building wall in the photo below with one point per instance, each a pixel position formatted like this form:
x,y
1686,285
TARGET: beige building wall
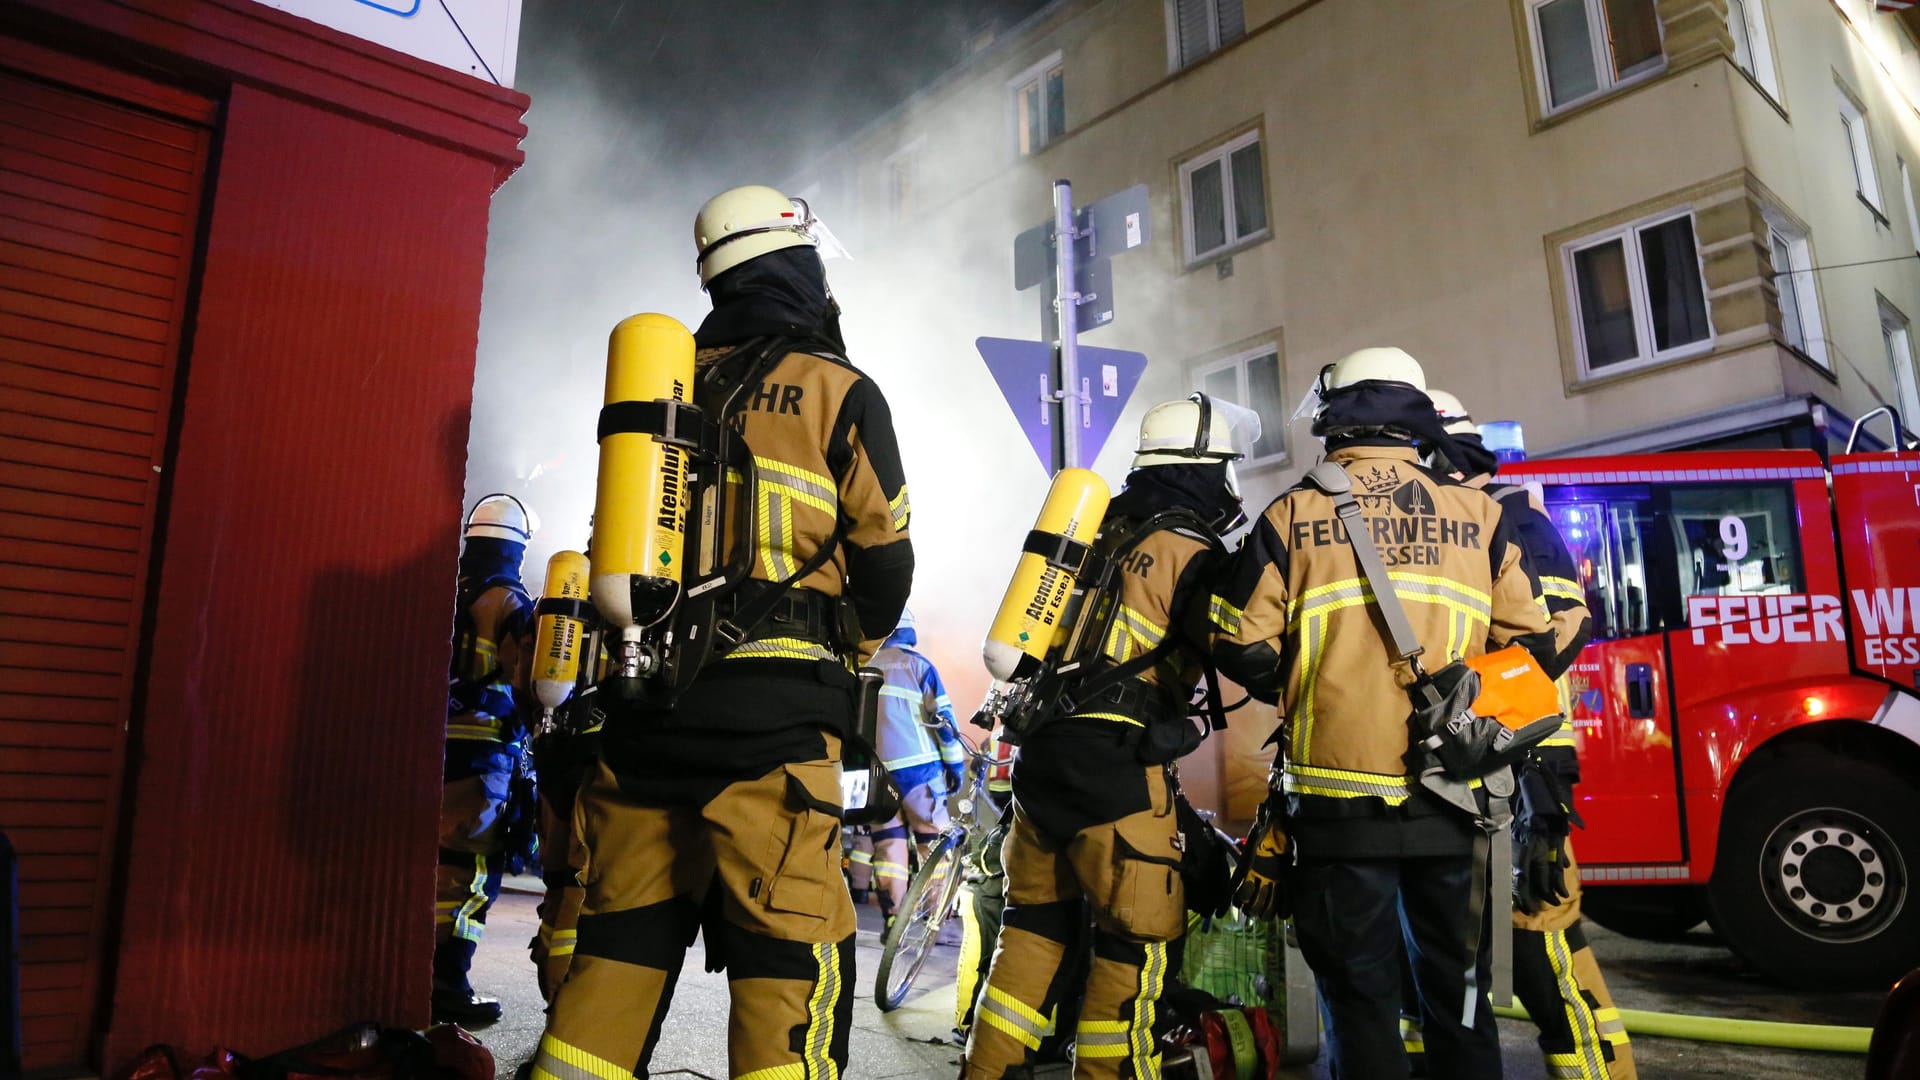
x,y
1415,196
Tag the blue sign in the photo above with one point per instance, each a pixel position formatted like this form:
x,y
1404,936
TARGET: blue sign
x,y
1024,372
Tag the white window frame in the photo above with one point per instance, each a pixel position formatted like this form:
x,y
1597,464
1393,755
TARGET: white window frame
x,y
1896,335
1221,153
1906,193
1598,38
1747,22
1859,136
907,157
1804,290
1646,355
1214,43
1036,74
1238,362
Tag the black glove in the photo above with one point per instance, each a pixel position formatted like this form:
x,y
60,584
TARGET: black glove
x,y
1260,888
1540,830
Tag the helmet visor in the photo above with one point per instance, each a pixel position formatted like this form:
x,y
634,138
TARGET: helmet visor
x,y
1243,426
1314,399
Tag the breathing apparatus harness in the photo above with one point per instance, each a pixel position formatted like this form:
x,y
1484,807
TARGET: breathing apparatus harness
x,y
717,611
467,694
1078,675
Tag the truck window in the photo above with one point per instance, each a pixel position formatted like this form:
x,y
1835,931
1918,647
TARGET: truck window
x,y
1735,541
1606,529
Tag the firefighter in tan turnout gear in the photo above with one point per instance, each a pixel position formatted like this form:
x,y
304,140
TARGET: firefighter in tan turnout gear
x,y
1380,863
721,813
1554,972
1093,820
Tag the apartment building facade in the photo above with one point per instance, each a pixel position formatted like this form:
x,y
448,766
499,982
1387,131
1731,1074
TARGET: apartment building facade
x,y
1627,224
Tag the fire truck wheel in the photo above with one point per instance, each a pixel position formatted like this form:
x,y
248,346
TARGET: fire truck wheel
x,y
1811,884
1648,912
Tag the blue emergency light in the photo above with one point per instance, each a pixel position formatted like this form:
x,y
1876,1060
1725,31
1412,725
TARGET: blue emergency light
x,y
1505,439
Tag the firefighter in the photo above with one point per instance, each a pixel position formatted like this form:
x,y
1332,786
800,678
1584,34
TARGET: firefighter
x,y
921,749
564,756
981,911
1377,862
722,811
1093,819
493,629
1555,974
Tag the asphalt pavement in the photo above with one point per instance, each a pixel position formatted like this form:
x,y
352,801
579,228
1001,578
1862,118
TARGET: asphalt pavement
x,y
1694,976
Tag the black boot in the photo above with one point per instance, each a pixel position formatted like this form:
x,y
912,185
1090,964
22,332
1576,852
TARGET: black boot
x,y
455,1005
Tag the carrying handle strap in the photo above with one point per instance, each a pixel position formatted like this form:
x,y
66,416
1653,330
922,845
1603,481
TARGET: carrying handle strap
x,y
1333,480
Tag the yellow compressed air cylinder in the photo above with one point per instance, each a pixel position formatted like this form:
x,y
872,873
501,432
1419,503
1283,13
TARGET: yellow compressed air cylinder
x,y
640,503
558,638
1029,616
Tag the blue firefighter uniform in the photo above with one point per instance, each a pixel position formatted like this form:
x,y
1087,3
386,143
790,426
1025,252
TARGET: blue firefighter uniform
x,y
926,763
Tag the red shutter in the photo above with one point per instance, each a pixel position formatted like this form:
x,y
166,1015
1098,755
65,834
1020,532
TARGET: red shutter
x,y
99,203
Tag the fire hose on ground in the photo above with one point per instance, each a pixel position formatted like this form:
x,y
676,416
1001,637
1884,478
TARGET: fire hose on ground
x,y
1828,1038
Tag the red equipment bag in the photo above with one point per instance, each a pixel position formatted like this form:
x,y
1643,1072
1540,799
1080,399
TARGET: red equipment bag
x,y
1237,1044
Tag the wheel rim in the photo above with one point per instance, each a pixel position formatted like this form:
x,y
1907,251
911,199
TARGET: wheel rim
x,y
1833,875
921,931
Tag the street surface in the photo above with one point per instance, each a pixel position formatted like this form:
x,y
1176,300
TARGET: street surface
x,y
1694,976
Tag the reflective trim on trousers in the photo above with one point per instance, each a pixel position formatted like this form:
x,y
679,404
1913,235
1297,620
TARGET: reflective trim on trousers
x,y
1153,978
826,995
464,926
1102,1038
1002,1010
561,1061
1586,1054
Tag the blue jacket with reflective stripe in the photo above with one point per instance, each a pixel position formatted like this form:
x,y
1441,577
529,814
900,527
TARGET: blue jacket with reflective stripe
x,y
914,753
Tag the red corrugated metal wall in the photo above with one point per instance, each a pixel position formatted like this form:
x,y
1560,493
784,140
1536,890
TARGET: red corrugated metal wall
x,y
283,814
99,205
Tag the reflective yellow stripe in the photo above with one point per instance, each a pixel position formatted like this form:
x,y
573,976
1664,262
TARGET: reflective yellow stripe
x,y
901,509
967,980
1224,615
1130,628
561,1061
1566,1067
861,857
889,870
482,732
799,484
792,1070
1102,1038
1563,589
1002,1010
464,926
1412,1036
826,995
1115,717
1587,1056
780,648
1345,784
1153,977
917,697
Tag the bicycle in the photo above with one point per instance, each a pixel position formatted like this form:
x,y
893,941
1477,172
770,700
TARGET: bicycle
x,y
933,892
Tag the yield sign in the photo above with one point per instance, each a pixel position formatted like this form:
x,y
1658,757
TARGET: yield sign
x,y
1024,372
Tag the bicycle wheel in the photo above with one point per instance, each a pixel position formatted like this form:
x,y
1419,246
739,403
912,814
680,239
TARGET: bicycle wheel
x,y
928,902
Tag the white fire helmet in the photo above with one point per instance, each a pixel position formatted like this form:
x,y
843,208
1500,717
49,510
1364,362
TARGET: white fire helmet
x,y
1380,363
747,222
1452,413
1196,428
501,517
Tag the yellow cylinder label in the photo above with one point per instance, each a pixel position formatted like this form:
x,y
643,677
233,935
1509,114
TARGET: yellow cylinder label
x,y
1029,615
557,638
640,503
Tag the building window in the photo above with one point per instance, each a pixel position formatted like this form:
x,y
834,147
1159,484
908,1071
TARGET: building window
x,y
901,174
1906,192
1226,197
1639,296
1039,105
1894,332
1747,21
1585,48
1793,282
1853,121
1251,380
1196,28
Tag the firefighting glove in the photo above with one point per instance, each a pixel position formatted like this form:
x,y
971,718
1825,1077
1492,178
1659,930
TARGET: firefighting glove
x,y
955,773
1540,840
1260,888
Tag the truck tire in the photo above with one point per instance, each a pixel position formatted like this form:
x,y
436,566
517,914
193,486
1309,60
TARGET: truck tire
x,y
1647,912
1812,882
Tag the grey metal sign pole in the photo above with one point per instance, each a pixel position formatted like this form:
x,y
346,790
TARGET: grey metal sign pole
x,y
1072,397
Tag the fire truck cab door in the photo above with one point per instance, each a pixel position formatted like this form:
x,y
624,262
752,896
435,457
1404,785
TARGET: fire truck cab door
x,y
1619,694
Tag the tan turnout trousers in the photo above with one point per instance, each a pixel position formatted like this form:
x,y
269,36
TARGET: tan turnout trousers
x,y
1129,872
770,849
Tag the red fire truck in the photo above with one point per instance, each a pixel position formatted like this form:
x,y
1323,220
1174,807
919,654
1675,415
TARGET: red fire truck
x,y
1747,713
